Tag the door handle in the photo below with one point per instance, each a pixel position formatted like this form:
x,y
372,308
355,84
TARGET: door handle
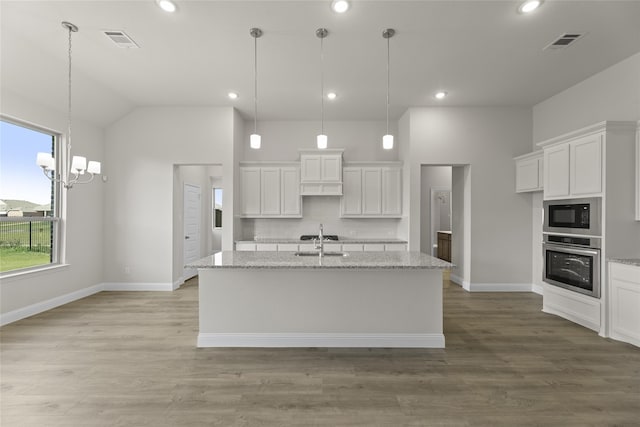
x,y
186,237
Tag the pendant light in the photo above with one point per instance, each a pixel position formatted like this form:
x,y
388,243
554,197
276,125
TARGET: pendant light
x,y
255,139
387,140
78,164
322,139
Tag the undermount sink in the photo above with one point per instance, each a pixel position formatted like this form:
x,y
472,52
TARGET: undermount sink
x,y
311,253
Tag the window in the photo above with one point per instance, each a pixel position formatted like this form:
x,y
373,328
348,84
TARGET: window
x,y
217,208
29,218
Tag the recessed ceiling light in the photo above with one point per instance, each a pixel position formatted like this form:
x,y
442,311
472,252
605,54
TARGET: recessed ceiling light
x,y
529,6
232,95
332,95
340,6
166,5
441,95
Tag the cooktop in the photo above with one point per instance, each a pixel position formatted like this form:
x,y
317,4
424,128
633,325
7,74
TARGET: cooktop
x,y
315,236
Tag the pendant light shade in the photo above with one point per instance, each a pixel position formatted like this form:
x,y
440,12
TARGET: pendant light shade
x,y
322,140
387,140
255,139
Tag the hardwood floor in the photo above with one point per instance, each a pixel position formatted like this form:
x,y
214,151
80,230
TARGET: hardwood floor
x,y
129,359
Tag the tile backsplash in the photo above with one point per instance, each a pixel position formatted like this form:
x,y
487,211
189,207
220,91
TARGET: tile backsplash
x,y
317,210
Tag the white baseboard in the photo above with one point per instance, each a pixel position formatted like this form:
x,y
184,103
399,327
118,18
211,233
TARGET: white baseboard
x,y
139,286
490,287
320,340
537,288
500,287
459,281
43,306
178,283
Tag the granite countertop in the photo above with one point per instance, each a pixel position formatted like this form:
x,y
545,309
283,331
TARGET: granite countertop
x,y
628,261
356,260
341,240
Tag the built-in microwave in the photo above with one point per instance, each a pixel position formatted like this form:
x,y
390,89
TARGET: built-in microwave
x,y
573,216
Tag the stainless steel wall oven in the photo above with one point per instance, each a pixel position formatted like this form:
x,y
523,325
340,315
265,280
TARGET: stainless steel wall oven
x,y
572,263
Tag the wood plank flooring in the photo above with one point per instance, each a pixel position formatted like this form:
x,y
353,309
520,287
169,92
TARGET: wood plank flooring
x,y
129,359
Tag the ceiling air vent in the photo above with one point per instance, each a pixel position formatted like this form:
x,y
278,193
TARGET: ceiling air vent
x,y
121,39
564,41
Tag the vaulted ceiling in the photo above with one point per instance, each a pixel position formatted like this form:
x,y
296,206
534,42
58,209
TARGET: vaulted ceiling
x,y
483,53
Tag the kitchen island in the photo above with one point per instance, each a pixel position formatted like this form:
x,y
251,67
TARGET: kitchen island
x,y
360,299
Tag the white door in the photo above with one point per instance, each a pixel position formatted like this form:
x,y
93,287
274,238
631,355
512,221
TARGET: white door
x,y
191,219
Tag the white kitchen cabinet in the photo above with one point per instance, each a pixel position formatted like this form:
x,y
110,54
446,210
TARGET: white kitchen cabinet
x,y
245,246
269,191
373,247
321,172
372,190
624,288
556,171
271,247
290,192
585,167
529,172
574,168
351,203
352,247
395,247
638,172
392,191
287,247
250,191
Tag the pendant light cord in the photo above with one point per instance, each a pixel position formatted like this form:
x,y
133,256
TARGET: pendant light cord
x,y
388,85
322,85
255,84
69,100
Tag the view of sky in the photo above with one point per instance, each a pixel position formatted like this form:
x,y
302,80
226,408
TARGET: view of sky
x,y
20,177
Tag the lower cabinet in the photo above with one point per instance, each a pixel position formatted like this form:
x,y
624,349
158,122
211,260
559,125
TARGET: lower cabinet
x,y
624,292
328,247
444,246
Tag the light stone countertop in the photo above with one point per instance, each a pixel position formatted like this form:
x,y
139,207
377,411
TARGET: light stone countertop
x,y
628,261
341,240
354,260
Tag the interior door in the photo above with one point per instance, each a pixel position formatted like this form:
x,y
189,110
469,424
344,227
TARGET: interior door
x,y
192,209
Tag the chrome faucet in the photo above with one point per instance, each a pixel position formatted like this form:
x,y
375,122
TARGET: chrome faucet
x,y
320,245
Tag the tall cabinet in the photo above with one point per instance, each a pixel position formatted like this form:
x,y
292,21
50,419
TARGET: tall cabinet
x,y
596,161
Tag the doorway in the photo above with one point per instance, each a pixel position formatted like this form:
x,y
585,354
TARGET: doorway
x,y
191,219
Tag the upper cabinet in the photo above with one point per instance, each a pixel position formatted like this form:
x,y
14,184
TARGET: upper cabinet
x,y
271,191
529,172
372,190
574,168
575,163
638,171
321,172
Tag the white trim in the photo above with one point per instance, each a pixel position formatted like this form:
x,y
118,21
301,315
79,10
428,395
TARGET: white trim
x,y
320,340
140,286
43,306
537,288
500,287
178,283
459,281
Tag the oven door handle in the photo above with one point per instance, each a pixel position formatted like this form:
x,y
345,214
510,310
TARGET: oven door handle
x,y
571,249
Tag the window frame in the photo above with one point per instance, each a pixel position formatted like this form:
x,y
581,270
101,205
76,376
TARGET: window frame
x,y
57,213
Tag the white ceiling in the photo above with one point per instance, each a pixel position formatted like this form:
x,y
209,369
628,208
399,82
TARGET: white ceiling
x,y
481,52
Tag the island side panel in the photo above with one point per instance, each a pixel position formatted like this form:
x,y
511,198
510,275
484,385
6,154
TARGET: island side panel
x,y
320,307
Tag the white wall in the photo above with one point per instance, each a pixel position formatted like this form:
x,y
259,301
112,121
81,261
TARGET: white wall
x,y
84,231
487,139
613,94
143,148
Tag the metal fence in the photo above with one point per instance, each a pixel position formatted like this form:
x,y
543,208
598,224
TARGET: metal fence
x,y
35,235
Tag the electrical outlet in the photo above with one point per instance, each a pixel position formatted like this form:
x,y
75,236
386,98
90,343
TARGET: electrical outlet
x,y
127,269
